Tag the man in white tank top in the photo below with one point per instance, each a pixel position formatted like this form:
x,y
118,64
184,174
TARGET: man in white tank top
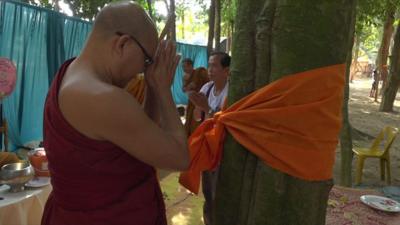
x,y
208,101
212,95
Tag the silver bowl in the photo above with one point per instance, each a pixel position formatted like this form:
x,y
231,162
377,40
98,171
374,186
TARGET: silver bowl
x,y
16,175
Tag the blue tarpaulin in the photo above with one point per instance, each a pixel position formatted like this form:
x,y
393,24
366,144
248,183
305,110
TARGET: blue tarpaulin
x,y
38,41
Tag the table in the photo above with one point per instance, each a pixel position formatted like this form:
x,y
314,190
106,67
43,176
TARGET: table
x,y
345,208
23,208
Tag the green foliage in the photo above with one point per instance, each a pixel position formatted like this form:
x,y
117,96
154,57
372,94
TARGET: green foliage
x,y
181,8
371,36
42,3
370,12
191,19
371,15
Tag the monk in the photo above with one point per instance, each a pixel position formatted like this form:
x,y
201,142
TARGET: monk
x,y
193,80
102,146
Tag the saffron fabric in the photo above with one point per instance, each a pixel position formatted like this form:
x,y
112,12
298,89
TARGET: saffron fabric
x,y
291,124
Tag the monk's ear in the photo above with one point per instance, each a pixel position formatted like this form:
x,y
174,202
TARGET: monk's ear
x,y
120,44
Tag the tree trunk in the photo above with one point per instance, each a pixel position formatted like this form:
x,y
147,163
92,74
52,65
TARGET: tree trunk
x,y
56,4
355,59
166,5
272,39
173,26
346,142
217,25
390,92
383,52
211,25
230,39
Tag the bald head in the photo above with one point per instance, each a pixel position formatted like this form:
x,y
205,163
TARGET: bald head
x,y
125,17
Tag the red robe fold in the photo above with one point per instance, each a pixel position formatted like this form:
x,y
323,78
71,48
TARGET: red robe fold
x,y
95,182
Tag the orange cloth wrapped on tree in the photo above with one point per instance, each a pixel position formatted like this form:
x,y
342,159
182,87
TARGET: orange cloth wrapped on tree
x,y
137,87
291,124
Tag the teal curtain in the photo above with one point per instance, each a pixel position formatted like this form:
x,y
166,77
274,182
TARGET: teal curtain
x,y
38,41
199,56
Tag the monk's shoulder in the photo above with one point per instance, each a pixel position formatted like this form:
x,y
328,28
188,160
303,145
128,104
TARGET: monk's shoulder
x,y
88,91
87,106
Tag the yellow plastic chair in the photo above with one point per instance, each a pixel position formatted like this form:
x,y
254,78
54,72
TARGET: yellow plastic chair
x,y
379,149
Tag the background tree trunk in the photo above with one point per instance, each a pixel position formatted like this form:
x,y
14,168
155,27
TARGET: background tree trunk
x,y
211,25
217,25
390,92
272,39
183,21
355,59
231,27
173,26
166,5
383,52
56,4
150,10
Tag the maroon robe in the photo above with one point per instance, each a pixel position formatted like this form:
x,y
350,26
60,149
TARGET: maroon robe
x,y
95,182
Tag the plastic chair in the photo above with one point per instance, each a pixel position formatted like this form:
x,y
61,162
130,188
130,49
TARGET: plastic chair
x,y
379,149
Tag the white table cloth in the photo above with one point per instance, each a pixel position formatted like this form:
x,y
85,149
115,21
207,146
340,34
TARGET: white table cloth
x,y
23,208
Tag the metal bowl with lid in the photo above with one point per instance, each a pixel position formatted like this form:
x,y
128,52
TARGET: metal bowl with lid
x,y
16,175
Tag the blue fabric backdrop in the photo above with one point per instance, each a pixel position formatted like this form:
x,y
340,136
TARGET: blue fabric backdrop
x,y
38,41
199,56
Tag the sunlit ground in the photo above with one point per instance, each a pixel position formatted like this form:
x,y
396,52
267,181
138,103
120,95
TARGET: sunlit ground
x,y
365,117
183,208
361,86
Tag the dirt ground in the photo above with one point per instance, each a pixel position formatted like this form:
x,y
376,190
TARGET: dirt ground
x,y
184,208
368,122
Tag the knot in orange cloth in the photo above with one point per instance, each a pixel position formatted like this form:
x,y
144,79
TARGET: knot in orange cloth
x,y
291,124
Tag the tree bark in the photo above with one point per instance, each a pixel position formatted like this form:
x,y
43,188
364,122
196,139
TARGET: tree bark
x,y
272,39
383,52
211,25
390,92
217,25
346,142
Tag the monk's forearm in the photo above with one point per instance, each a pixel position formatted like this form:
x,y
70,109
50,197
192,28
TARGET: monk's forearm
x,y
161,108
170,120
152,106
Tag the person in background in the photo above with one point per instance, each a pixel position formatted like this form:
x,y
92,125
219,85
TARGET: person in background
x,y
208,101
375,83
193,80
